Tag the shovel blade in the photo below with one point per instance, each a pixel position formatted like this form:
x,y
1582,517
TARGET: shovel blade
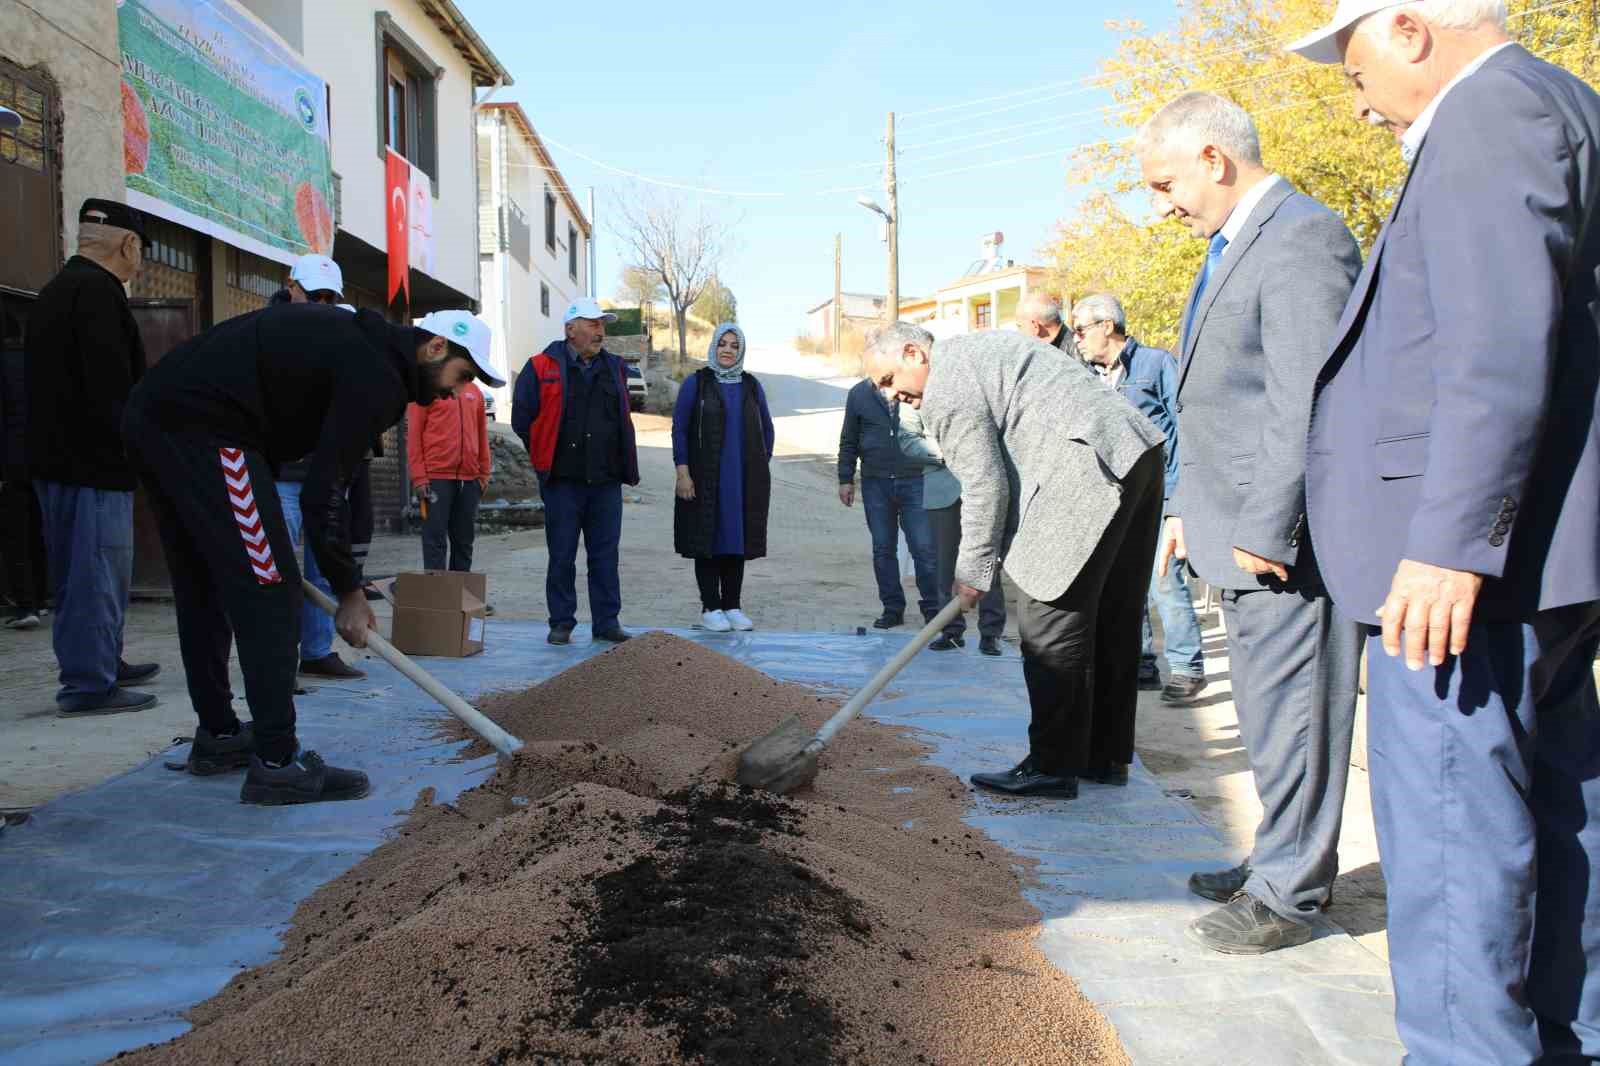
x,y
779,762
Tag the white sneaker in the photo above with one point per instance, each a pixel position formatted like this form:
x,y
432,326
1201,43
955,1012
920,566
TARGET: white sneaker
x,y
739,620
24,620
716,621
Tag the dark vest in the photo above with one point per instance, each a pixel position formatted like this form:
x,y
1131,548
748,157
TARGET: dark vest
x,y
589,447
694,522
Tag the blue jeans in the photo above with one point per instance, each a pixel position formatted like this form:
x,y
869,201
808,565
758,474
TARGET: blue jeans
x,y
316,627
892,501
572,508
1179,627
89,546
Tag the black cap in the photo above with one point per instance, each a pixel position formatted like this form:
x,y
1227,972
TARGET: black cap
x,y
112,213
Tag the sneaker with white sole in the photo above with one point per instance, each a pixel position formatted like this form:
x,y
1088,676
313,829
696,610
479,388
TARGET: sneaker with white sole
x,y
24,620
739,620
716,621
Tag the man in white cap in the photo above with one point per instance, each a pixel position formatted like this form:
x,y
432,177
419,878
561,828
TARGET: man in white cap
x,y
316,279
1452,485
204,430
570,408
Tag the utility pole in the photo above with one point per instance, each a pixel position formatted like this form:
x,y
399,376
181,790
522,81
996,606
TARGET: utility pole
x,y
593,227
894,231
838,240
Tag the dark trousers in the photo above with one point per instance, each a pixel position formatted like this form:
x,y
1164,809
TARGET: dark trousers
x,y
1080,653
452,517
945,522
22,545
572,508
1486,795
721,579
89,539
234,577
897,501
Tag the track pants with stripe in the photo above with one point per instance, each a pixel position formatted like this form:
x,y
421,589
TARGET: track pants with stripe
x,y
234,575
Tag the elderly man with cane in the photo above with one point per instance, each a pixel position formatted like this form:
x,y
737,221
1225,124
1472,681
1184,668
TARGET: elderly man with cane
x,y
1061,482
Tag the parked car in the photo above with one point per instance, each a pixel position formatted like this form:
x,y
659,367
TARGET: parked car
x,y
637,389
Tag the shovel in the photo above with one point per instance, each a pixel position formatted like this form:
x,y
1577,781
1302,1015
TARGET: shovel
x,y
474,719
786,758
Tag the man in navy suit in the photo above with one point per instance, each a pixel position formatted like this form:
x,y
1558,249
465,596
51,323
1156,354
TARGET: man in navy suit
x,y
1453,492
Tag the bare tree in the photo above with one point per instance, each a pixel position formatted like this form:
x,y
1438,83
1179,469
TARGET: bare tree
x,y
639,286
679,242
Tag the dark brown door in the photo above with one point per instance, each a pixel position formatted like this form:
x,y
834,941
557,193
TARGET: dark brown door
x,y
163,324
30,183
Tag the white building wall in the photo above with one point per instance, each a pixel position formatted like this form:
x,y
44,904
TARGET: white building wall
x,y
341,47
511,302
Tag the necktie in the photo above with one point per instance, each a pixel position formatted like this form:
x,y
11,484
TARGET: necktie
x,y
1219,244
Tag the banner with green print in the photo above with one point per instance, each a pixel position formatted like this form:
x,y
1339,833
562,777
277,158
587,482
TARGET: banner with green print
x,y
224,129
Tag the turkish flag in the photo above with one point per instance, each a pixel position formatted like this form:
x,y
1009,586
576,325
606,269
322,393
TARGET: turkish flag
x,y
397,190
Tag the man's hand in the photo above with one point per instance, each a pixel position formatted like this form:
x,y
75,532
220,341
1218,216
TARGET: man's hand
x,y
483,483
685,486
1432,607
847,494
1251,563
354,618
968,596
1172,545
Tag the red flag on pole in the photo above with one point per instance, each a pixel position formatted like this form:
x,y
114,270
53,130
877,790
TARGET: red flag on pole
x,y
397,189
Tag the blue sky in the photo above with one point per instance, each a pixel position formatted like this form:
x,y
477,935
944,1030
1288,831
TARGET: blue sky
x,y
749,97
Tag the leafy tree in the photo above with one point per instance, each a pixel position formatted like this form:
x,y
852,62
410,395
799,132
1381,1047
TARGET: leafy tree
x,y
638,286
717,305
1303,111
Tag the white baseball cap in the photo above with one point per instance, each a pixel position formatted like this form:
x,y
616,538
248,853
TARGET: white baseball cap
x,y
9,119
1322,46
469,331
316,273
586,307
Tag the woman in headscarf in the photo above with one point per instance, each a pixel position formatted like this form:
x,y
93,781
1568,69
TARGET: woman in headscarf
x,y
722,444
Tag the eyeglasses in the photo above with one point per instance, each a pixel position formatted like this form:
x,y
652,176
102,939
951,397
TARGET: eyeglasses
x,y
1079,331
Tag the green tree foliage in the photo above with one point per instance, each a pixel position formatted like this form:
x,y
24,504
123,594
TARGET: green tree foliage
x,y
1303,111
716,305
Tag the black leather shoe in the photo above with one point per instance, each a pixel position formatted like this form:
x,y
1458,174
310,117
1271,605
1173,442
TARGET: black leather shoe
x,y
133,673
946,642
211,754
1182,689
1246,926
330,666
306,779
1026,779
616,635
889,620
1149,679
1106,775
560,635
118,701
989,645
1222,885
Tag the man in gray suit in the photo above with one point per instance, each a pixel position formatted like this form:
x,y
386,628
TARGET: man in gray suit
x,y
1060,479
1453,487
1256,327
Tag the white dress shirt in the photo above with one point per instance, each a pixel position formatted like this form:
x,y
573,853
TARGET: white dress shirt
x,y
1411,139
1242,209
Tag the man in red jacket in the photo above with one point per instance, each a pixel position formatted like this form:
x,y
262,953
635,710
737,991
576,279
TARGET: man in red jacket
x,y
447,445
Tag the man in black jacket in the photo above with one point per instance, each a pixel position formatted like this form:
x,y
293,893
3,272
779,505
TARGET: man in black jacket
x,y
205,428
21,524
891,496
82,356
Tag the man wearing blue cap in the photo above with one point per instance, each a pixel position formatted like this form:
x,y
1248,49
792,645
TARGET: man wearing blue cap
x,y
82,357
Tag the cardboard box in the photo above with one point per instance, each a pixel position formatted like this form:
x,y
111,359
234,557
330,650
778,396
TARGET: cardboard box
x,y
438,612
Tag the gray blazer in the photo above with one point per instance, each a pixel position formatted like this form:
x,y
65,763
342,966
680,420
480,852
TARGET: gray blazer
x,y
1041,448
1248,364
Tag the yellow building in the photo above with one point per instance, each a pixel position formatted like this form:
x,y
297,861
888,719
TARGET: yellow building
x,y
985,297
